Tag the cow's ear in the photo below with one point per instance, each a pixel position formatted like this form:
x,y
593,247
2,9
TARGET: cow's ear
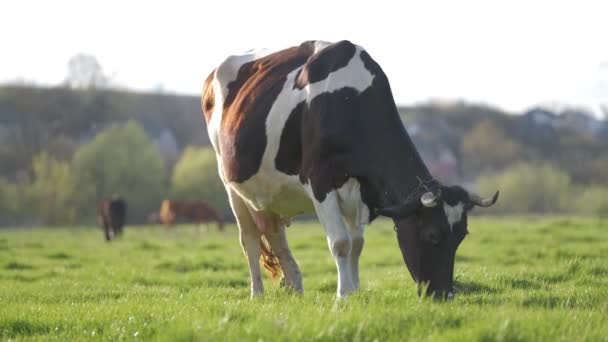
x,y
399,211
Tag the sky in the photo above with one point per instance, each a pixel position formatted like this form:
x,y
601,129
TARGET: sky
x,y
510,54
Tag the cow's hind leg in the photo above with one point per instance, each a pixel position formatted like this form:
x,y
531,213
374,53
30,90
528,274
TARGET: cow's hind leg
x,y
275,234
250,241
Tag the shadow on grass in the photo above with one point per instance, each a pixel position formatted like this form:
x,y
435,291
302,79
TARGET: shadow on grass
x,y
471,287
17,266
33,245
326,287
148,246
211,246
464,258
59,256
18,328
186,266
220,283
523,284
32,278
552,301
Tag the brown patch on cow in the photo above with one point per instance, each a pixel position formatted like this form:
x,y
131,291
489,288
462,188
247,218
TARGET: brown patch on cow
x,y
323,63
246,108
208,98
197,211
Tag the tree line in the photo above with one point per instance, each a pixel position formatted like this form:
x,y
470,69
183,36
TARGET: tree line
x,y
62,150
119,160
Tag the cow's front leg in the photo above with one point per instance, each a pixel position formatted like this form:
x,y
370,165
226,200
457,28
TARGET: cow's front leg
x,y
357,241
338,240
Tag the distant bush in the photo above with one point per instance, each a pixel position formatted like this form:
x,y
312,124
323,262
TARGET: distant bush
x,y
10,202
121,160
51,190
486,147
593,200
196,177
526,188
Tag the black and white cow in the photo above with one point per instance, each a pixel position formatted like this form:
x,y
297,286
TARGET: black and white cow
x,y
315,128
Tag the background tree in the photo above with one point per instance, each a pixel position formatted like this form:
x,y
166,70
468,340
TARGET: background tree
x,y
10,202
527,188
196,177
121,160
486,147
51,189
85,72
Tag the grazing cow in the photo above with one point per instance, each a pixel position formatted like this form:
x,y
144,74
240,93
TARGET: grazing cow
x,y
111,215
315,128
197,211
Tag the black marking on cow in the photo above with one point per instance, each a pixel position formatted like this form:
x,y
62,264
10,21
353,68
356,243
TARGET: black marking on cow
x,y
289,156
324,62
328,134
452,195
370,64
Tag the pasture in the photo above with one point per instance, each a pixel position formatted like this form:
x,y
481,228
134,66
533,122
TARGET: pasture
x,y
518,279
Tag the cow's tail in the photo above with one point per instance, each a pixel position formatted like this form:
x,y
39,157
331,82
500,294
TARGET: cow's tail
x,y
270,260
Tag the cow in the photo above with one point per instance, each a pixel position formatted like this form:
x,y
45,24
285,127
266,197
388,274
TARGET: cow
x,y
111,214
197,211
315,128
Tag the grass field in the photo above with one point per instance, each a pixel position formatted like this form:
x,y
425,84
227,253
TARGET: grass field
x,y
526,279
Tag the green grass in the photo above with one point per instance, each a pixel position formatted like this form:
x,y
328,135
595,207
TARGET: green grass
x,y
525,279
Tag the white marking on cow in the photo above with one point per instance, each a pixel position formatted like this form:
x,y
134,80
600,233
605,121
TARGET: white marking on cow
x,y
352,206
320,45
344,77
453,213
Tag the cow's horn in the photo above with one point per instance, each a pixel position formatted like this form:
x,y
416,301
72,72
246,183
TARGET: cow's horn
x,y
428,199
483,202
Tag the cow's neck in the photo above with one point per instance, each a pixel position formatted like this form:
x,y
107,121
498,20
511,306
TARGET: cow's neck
x,y
403,177
396,169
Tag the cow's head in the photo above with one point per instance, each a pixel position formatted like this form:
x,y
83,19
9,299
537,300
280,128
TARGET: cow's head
x,y
430,227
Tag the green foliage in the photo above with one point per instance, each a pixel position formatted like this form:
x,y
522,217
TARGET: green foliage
x,y
486,146
120,160
51,190
528,188
10,201
593,200
518,279
195,177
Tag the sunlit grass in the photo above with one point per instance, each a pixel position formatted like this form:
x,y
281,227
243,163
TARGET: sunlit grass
x,y
518,279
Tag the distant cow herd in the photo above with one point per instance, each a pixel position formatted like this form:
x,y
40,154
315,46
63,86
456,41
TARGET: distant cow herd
x,y
112,214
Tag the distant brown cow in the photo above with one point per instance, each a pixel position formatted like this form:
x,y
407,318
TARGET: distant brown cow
x,y
197,211
111,215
